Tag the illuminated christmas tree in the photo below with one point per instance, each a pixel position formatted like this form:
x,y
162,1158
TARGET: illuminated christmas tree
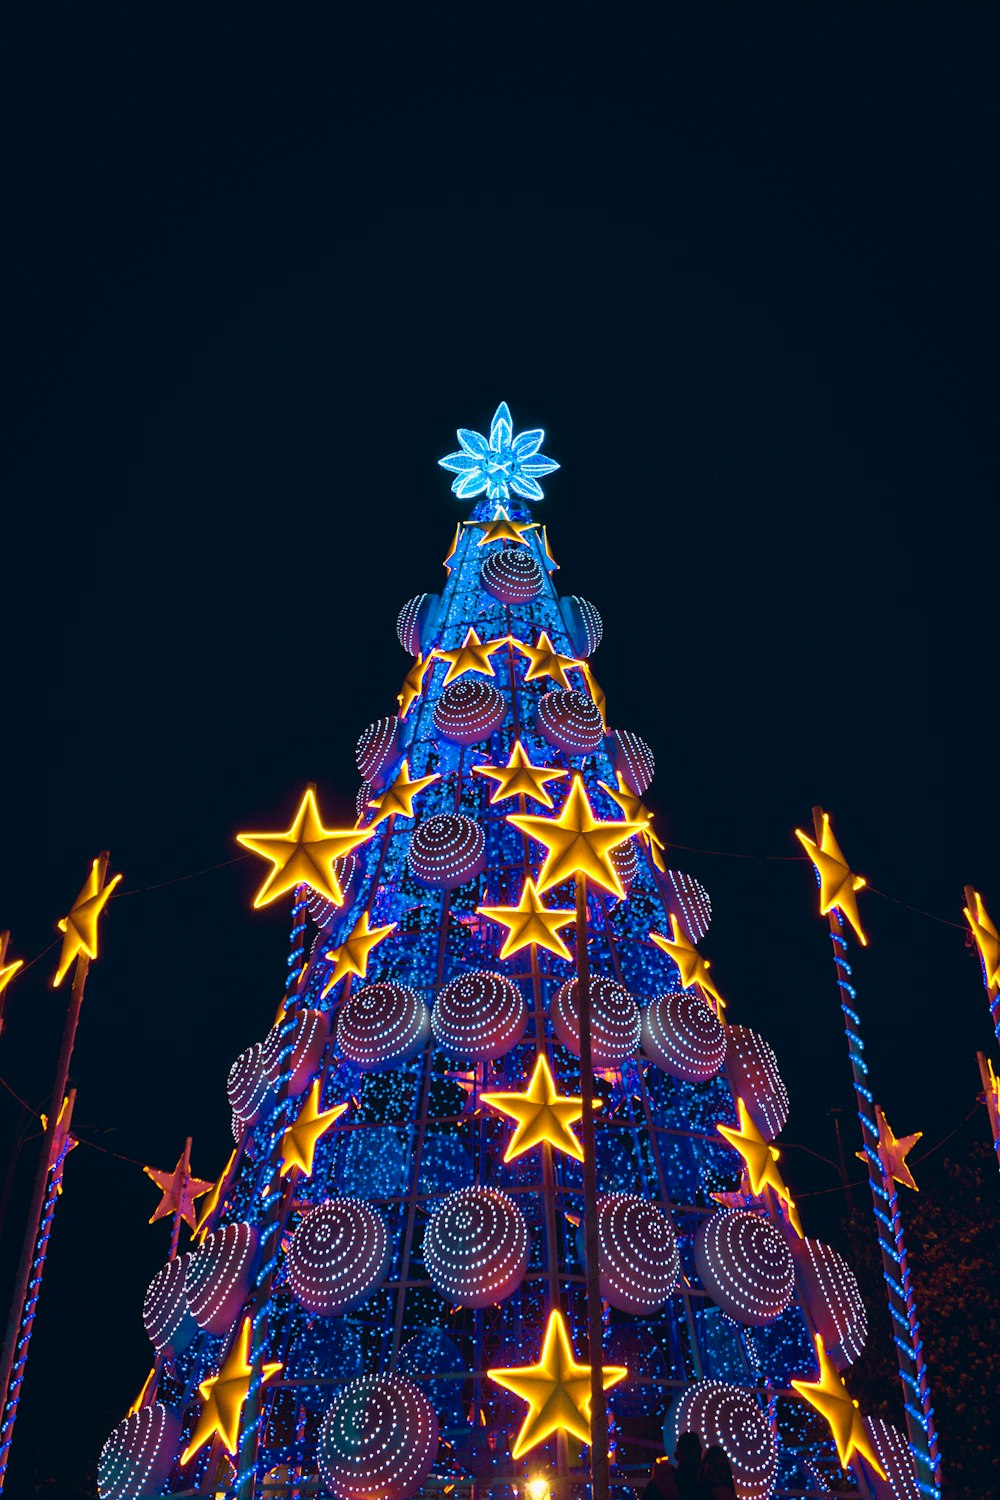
x,y
503,1209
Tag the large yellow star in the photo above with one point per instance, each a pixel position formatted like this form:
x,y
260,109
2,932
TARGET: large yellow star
x,y
80,926
634,809
830,1398
179,1191
413,683
987,939
304,854
542,1114
211,1203
502,528
545,661
530,921
837,884
760,1159
398,798
352,955
520,777
892,1153
473,655
693,968
298,1144
576,842
557,1390
224,1395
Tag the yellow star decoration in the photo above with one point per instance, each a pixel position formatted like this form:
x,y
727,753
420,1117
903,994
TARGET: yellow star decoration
x,y
298,1144
576,842
530,921
413,683
224,1395
828,1395
987,940
80,926
553,565
211,1203
892,1153
557,1389
502,528
520,777
7,971
634,809
140,1400
545,661
352,955
304,854
693,968
542,1114
179,1191
453,548
473,655
837,884
595,691
398,798
760,1159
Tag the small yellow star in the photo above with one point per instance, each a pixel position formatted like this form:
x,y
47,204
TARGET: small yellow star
x,y
987,940
473,655
298,1144
829,1396
892,1153
179,1191
398,798
760,1159
553,565
530,921
140,1400
211,1203
542,1114
545,661
502,528
576,842
693,968
224,1395
837,884
634,809
557,1390
352,955
520,777
595,691
413,683
453,548
7,971
304,854
80,926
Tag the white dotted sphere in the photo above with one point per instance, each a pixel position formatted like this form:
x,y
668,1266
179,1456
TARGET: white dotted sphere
x,y
733,1418
753,1068
614,1020
892,1449
377,749
165,1314
512,576
217,1276
303,1042
583,623
447,851
637,1253
412,621
479,1015
378,1441
382,1024
689,902
476,1247
831,1294
744,1265
570,721
338,1255
247,1086
683,1036
633,760
625,860
139,1454
468,710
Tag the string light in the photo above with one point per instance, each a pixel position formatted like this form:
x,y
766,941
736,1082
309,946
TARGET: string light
x,y
637,1253
476,1247
744,1265
382,1025
683,1036
379,1439
338,1255
218,1274
469,710
614,1020
570,721
479,1015
447,851
295,1051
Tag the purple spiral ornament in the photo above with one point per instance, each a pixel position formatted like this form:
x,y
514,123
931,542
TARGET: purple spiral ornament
x,y
614,1020
479,1015
139,1454
217,1277
414,620
248,1087
637,1253
583,624
512,576
476,1247
832,1298
683,1036
633,760
378,750
307,1037
688,901
381,1025
753,1069
893,1451
366,793
165,1314
447,851
625,859
733,1418
570,721
469,710
338,1255
378,1441
744,1265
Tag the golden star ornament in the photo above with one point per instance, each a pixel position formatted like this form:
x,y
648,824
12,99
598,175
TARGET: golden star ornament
x,y
987,939
634,809
298,1144
693,968
7,971
530,922
413,683
557,1389
544,661
502,528
576,842
211,1203
892,1152
473,655
79,928
304,854
179,1191
838,885
761,1161
224,1395
541,1113
520,778
398,798
352,955
829,1396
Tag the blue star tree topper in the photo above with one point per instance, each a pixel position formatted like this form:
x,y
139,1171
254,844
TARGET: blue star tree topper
x,y
500,465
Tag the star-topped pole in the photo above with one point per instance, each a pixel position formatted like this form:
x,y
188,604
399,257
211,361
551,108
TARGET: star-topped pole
x,y
79,926
179,1193
829,1396
892,1152
500,465
760,1159
7,970
838,885
304,854
557,1390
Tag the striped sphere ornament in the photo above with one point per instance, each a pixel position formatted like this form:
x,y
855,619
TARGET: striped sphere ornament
x,y
338,1255
218,1275
893,1451
633,760
512,576
583,624
366,793
625,859
138,1456
479,1015
638,1258
378,1441
832,1298
753,1070
414,621
447,851
614,1020
476,1247
382,1025
378,750
165,1313
683,1036
570,721
248,1087
294,1051
688,901
469,710
744,1265
733,1418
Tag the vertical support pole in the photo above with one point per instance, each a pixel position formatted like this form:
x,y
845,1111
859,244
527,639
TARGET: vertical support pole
x,y
990,1098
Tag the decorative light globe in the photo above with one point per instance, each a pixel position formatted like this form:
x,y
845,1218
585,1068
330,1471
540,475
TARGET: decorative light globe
x,y
138,1456
744,1265
511,575
165,1313
832,1297
479,1015
447,851
338,1255
378,1441
688,901
218,1275
893,1451
469,710
583,624
476,1247
633,760
733,1418
614,1020
414,621
570,721
753,1069
248,1087
625,860
378,750
382,1025
294,1052
637,1253
683,1036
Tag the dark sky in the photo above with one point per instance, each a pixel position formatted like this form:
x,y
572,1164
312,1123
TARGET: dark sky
x,y
758,320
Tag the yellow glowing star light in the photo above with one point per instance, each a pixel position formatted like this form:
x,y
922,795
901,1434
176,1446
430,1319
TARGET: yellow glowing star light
x,y
542,1114
413,683
557,1390
633,808
892,1153
502,528
80,926
837,884
298,1144
987,940
453,548
828,1395
398,798
7,971
520,778
576,842
140,1400
761,1161
545,661
553,565
179,1191
693,968
211,1203
352,955
473,655
304,854
224,1395
530,921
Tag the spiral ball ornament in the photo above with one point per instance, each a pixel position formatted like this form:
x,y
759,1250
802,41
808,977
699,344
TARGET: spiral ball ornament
x,y
139,1454
413,621
683,1036
893,1451
731,1417
833,1299
637,1253
338,1255
469,710
217,1276
570,721
753,1068
366,793
378,1441
614,1020
248,1086
688,901
165,1314
295,1051
382,1024
378,749
633,760
512,576
476,1247
744,1265
447,851
625,860
583,624
479,1015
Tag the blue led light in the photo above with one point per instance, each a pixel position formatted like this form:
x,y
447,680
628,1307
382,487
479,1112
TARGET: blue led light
x,y
500,464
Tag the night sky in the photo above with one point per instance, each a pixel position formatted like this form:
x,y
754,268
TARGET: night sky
x,y
762,341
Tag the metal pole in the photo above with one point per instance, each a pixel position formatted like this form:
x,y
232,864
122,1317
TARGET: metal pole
x,y
990,1098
